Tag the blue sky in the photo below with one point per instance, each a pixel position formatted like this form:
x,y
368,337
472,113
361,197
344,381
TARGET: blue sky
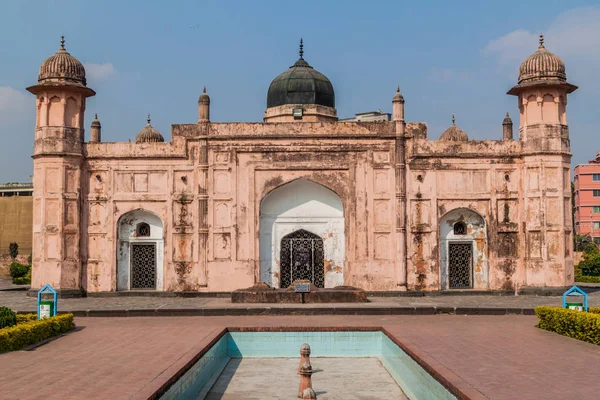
x,y
154,57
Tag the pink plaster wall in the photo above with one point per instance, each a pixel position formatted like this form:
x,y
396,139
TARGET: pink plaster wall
x,y
207,184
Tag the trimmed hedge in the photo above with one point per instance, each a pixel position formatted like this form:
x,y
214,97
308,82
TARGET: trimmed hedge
x,y
26,318
579,325
587,279
27,333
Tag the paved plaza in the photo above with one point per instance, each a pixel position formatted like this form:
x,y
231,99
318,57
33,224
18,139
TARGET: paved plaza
x,y
486,357
151,305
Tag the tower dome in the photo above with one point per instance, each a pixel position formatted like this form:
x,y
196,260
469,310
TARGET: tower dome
x,y
454,133
301,84
62,67
149,134
542,66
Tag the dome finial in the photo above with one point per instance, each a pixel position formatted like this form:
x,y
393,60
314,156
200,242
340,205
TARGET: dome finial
x,y
453,119
62,42
204,90
96,116
398,89
301,52
148,119
541,40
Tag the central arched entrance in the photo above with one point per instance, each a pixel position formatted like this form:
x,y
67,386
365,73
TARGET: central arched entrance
x,y
302,257
302,235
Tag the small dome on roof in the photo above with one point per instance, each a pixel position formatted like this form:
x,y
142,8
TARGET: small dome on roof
x,y
454,133
149,134
398,96
204,98
62,67
542,66
301,84
96,121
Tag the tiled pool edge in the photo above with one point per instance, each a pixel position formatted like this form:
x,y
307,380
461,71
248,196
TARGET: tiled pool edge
x,y
181,370
449,380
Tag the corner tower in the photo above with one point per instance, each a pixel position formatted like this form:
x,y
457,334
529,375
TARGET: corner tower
x,y
61,95
546,247
300,94
542,91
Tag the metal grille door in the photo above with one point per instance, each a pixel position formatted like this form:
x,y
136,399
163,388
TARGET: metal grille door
x,y
143,266
302,257
460,265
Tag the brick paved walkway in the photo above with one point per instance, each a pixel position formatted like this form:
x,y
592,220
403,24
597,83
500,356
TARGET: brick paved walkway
x,y
494,357
19,301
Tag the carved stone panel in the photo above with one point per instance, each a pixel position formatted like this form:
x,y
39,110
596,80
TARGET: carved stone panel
x,y
183,181
222,181
222,246
383,217
52,181
53,245
533,179
53,212
222,158
158,182
97,216
183,245
71,212
381,184
508,245
140,183
382,246
222,215
381,156
534,244
123,182
553,245
71,181
182,213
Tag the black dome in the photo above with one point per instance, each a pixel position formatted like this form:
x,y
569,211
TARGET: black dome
x,y
301,84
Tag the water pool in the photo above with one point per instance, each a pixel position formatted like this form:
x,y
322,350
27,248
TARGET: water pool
x,y
372,347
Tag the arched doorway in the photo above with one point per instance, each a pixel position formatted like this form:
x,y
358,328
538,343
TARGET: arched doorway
x,y
302,257
140,252
301,233
463,244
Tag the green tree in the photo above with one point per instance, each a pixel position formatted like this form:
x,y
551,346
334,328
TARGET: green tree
x,y
13,250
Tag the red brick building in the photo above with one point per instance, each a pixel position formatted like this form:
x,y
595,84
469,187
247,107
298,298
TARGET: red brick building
x,y
587,199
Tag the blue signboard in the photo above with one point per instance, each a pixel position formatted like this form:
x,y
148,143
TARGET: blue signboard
x,y
578,304
47,308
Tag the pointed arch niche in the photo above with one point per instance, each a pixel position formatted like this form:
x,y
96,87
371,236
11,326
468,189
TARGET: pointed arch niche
x,y
463,256
140,251
301,205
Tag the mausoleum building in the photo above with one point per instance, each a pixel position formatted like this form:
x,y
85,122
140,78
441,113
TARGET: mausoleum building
x,y
379,205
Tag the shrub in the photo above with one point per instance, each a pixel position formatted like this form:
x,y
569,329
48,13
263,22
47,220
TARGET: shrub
x,y
27,333
13,250
579,325
8,317
587,279
26,318
18,270
24,280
